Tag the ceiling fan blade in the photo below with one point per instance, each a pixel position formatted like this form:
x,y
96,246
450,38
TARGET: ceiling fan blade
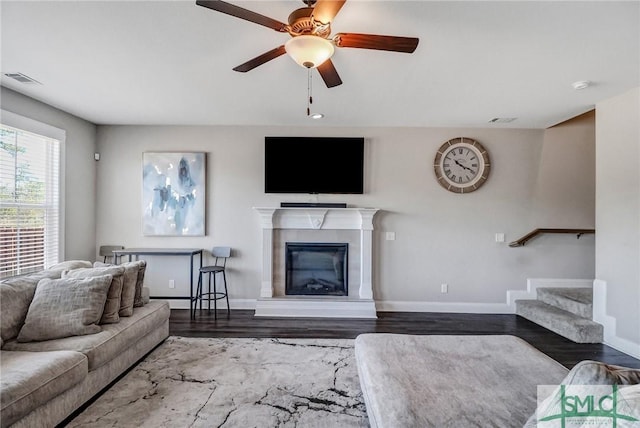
x,y
261,59
325,10
374,41
238,12
329,74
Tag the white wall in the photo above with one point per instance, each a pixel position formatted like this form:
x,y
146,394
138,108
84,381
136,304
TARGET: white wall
x,y
618,210
442,237
80,145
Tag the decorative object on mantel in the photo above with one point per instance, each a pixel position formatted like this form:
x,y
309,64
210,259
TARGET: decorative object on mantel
x,y
462,165
313,205
173,194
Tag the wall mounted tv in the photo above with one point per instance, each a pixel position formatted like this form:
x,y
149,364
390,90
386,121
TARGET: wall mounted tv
x,y
314,165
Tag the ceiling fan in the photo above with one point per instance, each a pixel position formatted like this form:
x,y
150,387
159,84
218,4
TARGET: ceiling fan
x,y
310,28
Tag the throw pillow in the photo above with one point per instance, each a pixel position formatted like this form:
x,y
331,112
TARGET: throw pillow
x,y
112,306
16,294
138,300
71,264
15,297
587,373
128,286
65,307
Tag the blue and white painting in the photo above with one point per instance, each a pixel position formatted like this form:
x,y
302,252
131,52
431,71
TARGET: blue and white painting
x,y
173,194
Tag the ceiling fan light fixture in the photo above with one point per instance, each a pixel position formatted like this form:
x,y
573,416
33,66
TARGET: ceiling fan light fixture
x,y
309,51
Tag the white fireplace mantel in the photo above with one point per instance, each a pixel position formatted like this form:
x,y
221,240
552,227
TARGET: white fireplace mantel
x,y
360,219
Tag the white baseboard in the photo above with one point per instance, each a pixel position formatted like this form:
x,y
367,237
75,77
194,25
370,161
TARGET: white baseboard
x,y
234,303
323,308
454,307
533,284
609,323
380,305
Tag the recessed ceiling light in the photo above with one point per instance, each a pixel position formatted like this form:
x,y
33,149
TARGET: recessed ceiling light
x,y
317,116
581,84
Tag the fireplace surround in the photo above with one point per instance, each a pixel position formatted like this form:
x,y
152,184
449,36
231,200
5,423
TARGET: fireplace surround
x,y
330,223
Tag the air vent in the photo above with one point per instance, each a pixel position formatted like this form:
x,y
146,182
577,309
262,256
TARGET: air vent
x,y
502,119
22,78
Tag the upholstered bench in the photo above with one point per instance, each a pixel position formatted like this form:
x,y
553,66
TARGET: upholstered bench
x,y
446,381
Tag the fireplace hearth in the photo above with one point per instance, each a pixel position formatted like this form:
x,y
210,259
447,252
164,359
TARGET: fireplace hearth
x,y
316,269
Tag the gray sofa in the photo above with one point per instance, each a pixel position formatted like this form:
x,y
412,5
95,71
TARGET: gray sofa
x,y
42,382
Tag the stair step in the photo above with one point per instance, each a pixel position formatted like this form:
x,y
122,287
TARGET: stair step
x,y
566,324
578,301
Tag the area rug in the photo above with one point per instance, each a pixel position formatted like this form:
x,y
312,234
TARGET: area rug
x,y
212,382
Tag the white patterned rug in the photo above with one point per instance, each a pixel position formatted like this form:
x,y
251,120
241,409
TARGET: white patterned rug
x,y
210,382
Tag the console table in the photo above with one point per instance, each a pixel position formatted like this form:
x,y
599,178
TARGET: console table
x,y
191,252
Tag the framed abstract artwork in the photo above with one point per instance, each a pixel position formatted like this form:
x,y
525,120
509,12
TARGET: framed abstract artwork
x,y
173,194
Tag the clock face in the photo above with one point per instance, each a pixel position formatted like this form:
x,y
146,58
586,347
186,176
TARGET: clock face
x,y
462,165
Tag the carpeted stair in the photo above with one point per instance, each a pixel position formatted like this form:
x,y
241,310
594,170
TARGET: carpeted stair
x,y
566,311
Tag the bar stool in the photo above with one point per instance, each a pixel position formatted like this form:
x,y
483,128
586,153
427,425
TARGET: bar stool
x,y
106,251
221,254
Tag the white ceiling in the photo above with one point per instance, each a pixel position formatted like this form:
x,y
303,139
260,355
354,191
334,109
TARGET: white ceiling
x,y
170,62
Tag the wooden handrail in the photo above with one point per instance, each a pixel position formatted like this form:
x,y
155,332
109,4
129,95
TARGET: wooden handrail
x,y
578,232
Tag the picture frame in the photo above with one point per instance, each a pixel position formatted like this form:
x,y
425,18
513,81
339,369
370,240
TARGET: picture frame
x,y
173,193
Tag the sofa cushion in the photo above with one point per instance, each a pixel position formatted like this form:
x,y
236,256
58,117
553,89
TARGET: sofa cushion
x,y
65,307
112,305
102,347
30,379
16,294
587,373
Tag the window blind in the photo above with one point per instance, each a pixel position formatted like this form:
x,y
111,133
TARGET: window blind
x,y
29,201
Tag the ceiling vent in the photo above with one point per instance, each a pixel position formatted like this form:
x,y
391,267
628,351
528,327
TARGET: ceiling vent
x,y
502,119
22,78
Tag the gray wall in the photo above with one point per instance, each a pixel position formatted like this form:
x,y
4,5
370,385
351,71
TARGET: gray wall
x,y
80,179
441,237
618,209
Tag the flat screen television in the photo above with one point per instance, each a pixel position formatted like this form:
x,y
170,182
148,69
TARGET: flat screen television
x,y
314,165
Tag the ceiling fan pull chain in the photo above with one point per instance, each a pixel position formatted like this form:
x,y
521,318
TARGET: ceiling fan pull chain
x,y
309,96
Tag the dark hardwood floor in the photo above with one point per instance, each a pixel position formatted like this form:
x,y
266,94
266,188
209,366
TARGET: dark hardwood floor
x,y
242,323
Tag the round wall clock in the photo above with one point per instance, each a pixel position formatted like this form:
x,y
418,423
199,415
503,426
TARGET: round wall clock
x,y
462,165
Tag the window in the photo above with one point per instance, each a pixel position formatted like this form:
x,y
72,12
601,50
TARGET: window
x,y
30,192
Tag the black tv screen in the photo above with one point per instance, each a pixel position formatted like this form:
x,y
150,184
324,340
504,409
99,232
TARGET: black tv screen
x,y
313,165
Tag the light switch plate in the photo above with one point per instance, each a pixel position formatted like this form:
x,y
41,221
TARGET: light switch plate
x,y
391,236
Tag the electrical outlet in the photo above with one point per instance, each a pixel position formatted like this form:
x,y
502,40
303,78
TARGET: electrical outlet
x,y
499,237
444,288
172,283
